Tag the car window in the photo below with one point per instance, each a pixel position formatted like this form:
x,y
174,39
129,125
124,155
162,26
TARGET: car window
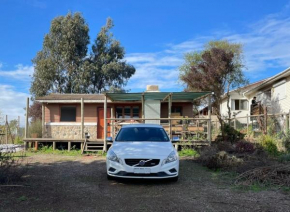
x,y
142,134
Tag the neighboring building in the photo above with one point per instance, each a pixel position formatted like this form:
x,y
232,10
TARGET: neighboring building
x,y
273,92
239,103
63,117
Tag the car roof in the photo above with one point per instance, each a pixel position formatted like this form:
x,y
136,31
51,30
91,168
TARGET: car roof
x,y
142,125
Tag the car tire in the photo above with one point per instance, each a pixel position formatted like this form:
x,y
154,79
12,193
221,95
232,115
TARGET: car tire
x,y
110,177
174,179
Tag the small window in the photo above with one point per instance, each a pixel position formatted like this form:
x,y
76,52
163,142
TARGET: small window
x,y
176,109
68,113
127,112
119,112
135,112
239,104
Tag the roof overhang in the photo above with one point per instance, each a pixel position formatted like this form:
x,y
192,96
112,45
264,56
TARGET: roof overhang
x,y
162,96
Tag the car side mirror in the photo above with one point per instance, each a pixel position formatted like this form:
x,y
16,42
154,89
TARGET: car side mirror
x,y
109,139
175,139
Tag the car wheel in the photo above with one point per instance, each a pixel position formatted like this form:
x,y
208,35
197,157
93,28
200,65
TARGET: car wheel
x,y
174,179
110,177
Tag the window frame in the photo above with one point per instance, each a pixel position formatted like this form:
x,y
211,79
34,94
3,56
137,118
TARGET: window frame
x,y
240,104
71,106
131,111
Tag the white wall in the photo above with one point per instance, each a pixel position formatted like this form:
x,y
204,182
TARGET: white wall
x,y
240,113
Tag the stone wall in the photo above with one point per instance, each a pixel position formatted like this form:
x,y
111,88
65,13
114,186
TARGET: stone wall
x,y
69,131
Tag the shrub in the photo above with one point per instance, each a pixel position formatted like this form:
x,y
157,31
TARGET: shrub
x,y
286,140
225,146
188,152
244,147
35,128
284,158
231,134
269,144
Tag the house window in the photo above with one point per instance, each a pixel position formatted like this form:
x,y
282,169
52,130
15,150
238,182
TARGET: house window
x,y
176,109
127,112
136,112
239,104
68,113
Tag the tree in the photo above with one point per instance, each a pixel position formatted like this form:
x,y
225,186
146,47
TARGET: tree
x,y
108,69
58,66
217,68
35,111
64,66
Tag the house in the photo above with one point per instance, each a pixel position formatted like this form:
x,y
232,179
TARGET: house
x,y
69,116
274,93
239,104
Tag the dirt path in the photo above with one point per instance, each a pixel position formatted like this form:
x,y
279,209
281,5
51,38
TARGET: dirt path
x,y
66,183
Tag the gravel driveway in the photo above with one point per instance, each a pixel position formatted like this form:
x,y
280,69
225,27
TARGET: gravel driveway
x,y
67,183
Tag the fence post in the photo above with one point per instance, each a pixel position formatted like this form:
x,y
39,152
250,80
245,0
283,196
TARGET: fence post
x,y
265,120
289,120
6,127
247,124
235,122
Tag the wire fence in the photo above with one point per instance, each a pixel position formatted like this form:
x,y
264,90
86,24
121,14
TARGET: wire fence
x,y
11,129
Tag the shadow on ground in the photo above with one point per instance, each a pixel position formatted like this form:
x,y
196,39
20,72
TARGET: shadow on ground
x,y
55,183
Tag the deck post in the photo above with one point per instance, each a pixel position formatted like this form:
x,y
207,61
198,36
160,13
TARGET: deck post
x,y
105,124
53,145
69,146
26,118
142,100
6,129
247,124
289,120
43,119
209,121
169,115
112,115
82,118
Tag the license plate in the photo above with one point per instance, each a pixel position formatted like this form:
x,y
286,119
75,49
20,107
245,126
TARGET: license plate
x,y
142,170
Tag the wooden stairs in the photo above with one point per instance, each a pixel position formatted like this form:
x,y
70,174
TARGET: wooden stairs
x,y
92,146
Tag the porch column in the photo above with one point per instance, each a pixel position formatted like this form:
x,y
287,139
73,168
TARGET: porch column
x,y
26,118
142,100
105,125
82,118
169,115
209,121
43,119
112,116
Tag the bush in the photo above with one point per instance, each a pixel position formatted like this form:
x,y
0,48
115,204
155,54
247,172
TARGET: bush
x,y
244,147
284,158
269,144
35,128
188,152
231,134
286,140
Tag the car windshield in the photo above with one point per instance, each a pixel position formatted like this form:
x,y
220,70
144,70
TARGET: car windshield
x,y
142,134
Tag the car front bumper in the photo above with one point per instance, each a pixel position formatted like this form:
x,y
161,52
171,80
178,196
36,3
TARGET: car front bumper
x,y
159,171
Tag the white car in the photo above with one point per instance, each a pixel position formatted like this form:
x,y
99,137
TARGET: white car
x,y
142,151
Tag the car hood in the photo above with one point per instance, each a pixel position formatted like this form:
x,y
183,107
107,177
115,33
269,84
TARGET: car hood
x,y
142,149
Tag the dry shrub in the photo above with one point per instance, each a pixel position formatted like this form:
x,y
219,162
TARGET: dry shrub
x,y
214,159
10,168
225,146
275,175
244,147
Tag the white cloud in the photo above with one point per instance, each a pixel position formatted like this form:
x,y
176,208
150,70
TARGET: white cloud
x,y
20,72
12,103
266,45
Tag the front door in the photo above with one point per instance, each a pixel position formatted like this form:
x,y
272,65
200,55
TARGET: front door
x,y
100,128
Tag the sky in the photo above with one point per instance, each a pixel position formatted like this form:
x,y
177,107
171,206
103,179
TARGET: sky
x,y
155,33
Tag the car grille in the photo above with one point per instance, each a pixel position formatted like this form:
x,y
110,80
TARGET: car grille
x,y
134,162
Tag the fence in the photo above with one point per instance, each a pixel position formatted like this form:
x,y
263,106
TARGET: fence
x,y
257,124
10,129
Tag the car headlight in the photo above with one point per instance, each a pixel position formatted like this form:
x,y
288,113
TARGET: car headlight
x,y
171,157
113,157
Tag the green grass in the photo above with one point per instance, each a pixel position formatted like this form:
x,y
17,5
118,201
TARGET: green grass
x,y
188,152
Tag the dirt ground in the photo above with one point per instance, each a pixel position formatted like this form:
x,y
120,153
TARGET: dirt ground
x,y
74,183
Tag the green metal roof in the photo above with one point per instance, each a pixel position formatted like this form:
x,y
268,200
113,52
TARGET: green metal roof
x,y
182,96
